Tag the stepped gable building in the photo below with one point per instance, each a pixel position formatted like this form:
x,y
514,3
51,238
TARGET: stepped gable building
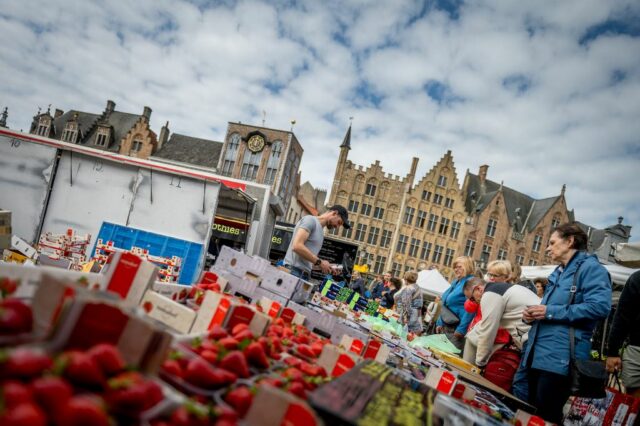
x,y
397,225
114,131
503,223
263,155
187,151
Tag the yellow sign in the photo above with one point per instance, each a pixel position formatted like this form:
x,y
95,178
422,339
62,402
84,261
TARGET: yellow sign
x,y
361,268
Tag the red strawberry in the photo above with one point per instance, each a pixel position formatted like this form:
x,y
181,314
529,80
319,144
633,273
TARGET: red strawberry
x,y
8,286
293,374
316,348
236,362
25,414
14,393
131,394
172,368
84,410
305,350
256,356
15,317
222,412
297,389
200,373
302,339
52,393
81,369
190,415
293,361
272,381
279,321
217,332
313,370
244,335
276,329
108,357
240,399
229,343
153,394
238,328
25,363
210,356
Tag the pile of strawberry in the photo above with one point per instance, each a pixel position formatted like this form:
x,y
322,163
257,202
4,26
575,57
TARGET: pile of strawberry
x,y
16,317
198,290
73,388
193,413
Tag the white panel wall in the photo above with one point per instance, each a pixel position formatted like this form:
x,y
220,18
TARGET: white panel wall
x,y
25,172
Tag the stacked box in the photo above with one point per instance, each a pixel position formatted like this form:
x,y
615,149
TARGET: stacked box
x,y
279,282
240,264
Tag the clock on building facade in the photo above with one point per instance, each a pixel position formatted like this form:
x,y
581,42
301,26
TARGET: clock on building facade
x,y
256,143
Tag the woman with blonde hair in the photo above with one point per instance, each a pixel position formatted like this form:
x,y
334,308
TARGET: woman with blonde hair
x,y
454,320
408,303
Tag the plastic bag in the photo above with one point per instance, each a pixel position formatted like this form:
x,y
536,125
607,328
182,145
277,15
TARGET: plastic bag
x,y
435,341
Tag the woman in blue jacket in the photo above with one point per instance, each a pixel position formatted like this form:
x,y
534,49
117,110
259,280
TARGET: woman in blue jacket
x,y
545,360
453,299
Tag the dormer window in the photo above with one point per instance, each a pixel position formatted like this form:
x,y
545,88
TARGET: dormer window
x,y
102,136
70,133
43,126
136,146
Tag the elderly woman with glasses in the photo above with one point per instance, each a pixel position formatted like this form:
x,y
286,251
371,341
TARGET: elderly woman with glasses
x,y
454,320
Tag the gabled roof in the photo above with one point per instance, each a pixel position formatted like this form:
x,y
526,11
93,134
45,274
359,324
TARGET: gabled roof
x,y
538,210
190,150
85,122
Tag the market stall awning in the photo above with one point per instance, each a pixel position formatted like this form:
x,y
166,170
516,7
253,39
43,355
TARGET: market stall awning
x,y
432,282
628,254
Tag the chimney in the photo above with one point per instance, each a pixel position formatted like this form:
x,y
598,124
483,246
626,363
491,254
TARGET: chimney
x,y
58,113
620,219
164,136
146,113
412,173
482,174
111,106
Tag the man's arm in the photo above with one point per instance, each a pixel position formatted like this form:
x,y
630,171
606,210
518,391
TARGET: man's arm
x,y
626,314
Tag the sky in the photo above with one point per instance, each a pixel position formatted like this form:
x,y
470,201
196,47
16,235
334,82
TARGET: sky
x,y
545,92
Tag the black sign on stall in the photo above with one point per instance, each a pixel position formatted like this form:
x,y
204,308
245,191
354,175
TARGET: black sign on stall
x,y
229,232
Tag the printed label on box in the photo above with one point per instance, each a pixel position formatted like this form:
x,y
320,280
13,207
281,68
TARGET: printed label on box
x,y
173,314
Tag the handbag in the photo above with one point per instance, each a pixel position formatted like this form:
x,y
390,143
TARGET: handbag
x,y
448,317
588,377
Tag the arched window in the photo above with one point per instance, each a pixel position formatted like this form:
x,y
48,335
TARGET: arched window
x,y
250,165
230,155
272,164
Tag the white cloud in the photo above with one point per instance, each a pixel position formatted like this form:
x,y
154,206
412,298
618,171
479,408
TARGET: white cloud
x,y
524,95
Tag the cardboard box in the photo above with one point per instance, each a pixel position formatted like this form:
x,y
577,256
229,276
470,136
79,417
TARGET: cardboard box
x,y
270,307
291,316
172,314
129,276
177,292
241,287
279,282
377,351
23,247
245,314
260,292
352,344
441,380
213,311
274,407
527,419
29,278
240,264
336,361
322,324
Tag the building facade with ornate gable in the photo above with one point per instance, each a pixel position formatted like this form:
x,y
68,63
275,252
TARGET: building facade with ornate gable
x,y
114,131
263,155
397,225
505,224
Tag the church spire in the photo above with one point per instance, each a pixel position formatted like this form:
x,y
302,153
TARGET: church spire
x,y
346,143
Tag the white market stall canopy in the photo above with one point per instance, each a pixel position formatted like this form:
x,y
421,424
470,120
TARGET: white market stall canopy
x,y
619,273
432,282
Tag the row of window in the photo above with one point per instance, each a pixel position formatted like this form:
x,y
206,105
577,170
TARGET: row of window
x,y
437,199
251,160
486,253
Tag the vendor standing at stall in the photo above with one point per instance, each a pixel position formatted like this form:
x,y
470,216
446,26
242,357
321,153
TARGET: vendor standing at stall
x,y
308,236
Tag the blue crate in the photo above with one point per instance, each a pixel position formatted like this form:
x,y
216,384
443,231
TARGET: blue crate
x,y
158,245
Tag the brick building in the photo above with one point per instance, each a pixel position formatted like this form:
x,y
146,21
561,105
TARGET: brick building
x,y
114,131
262,155
502,223
397,225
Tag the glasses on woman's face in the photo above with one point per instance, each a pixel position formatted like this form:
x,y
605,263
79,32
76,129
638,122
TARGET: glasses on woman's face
x,y
495,277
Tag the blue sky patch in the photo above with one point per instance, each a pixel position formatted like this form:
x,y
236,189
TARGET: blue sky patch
x,y
611,27
517,83
366,93
441,93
